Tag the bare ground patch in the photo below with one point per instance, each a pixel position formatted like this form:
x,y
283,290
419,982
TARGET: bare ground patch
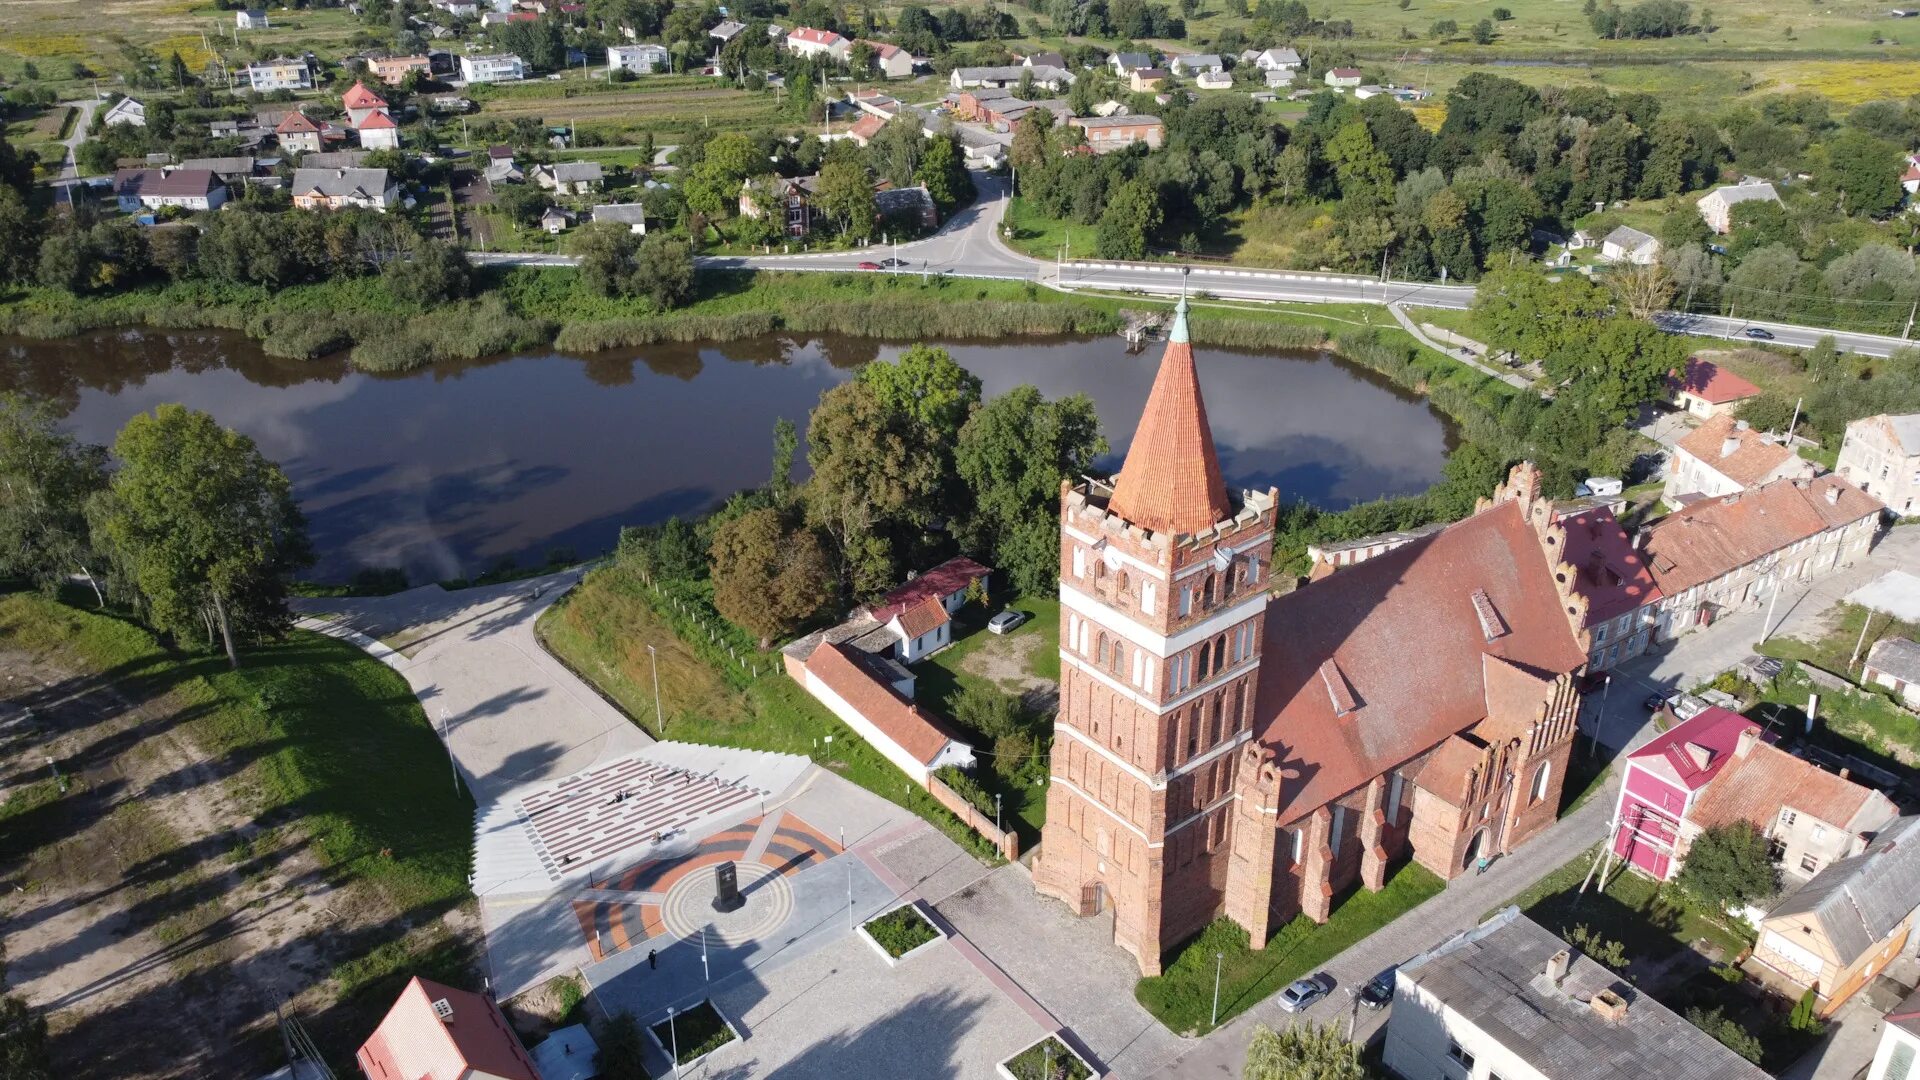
x,y
1007,663
146,909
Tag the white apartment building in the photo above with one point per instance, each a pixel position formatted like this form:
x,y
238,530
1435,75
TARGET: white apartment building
x,y
492,67
1881,456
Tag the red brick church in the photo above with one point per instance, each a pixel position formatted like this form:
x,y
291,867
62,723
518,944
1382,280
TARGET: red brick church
x,y
1221,750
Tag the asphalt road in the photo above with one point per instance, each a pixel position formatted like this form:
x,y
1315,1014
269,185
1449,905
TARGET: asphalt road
x,y
969,245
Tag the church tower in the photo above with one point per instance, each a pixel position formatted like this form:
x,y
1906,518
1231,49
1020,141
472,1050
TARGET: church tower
x,y
1163,585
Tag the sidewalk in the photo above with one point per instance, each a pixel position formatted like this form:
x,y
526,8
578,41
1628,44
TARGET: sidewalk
x,y
1406,323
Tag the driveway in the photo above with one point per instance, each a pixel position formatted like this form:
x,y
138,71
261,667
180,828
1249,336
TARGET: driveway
x,y
509,712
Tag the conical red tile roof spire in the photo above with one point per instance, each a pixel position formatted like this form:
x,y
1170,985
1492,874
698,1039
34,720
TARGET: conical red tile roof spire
x,y
1171,480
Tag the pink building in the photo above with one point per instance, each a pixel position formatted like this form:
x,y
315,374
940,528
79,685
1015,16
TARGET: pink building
x,y
1663,780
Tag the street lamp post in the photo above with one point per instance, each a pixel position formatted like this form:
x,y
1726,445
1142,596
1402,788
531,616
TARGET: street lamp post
x,y
843,851
673,1038
1600,722
659,717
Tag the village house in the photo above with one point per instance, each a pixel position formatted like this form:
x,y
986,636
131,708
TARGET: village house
x,y
492,67
1629,245
865,128
285,73
724,31
632,215
393,70
1717,769
1731,553
557,220
1716,206
1839,930
1343,77
1213,80
570,177
1106,134
1420,704
1509,1000
501,168
339,189
379,132
298,133
1126,63
1894,663
154,189
807,41
875,103
1706,389
1146,80
1724,456
1195,63
1281,59
1276,80
251,19
792,198
1881,454
919,612
230,170
644,59
125,111
439,1032
891,61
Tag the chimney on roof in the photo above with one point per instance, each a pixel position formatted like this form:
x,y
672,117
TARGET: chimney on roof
x,y
1729,444
1740,425
1833,495
1610,1005
1844,772
1744,745
443,1009
1557,966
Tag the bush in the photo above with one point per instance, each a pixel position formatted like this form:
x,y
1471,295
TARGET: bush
x,y
1011,753
1727,1031
697,1031
1730,864
990,711
900,931
965,786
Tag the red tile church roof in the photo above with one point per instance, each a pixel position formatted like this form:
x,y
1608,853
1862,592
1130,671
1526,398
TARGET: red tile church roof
x,y
1171,480
1406,630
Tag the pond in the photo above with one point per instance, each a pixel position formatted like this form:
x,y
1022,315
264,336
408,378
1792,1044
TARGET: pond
x,y
449,470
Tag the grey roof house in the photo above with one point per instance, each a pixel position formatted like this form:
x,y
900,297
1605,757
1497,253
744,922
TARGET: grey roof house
x,y
1839,930
578,177
1895,664
1510,999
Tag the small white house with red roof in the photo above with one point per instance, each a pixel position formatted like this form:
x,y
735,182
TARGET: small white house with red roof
x,y
1706,389
1663,779
893,61
436,1032
807,41
920,612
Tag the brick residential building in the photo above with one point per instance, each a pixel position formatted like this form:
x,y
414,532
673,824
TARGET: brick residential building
x,y
1623,603
1419,704
393,70
1881,454
1724,456
1729,553
1106,134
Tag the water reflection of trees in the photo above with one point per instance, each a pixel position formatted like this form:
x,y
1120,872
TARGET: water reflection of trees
x,y
58,372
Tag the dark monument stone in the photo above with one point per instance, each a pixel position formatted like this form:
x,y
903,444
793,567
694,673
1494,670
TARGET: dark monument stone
x,y
726,888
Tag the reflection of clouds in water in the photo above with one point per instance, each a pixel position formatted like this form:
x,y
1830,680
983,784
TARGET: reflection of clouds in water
x,y
444,471
276,418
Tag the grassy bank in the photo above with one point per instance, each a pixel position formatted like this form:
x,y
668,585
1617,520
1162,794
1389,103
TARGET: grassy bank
x,y
602,629
317,745
1181,997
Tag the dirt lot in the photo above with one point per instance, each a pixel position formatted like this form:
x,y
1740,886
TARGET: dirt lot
x,y
145,909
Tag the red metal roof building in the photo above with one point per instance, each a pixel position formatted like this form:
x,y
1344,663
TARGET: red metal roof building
x,y
436,1032
1705,388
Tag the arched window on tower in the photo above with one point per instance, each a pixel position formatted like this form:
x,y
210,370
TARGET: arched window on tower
x,y
1206,656
1100,650
1540,778
1206,592
1219,652
1119,656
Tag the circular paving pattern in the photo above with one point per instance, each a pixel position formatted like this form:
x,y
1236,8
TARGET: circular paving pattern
x,y
688,907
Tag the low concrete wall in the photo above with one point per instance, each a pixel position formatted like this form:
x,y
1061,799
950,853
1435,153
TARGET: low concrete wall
x,y
1006,841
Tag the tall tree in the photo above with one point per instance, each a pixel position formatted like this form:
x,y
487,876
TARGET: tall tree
x,y
47,478
1730,864
873,483
1012,455
1866,171
846,194
770,574
1303,1052
205,526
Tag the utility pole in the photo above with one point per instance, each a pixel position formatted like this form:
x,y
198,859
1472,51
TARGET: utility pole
x,y
1911,312
1766,628
1600,722
1861,643
843,851
1219,961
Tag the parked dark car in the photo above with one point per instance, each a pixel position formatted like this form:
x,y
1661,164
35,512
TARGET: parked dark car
x,y
1378,993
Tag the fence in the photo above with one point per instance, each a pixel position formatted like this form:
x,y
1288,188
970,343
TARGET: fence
x,y
970,815
707,634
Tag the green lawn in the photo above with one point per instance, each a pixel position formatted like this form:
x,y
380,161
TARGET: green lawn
x,y
942,676
1045,238
601,629
1182,996
1648,918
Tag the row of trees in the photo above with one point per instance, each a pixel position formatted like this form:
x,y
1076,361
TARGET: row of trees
x,y
193,527
908,464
